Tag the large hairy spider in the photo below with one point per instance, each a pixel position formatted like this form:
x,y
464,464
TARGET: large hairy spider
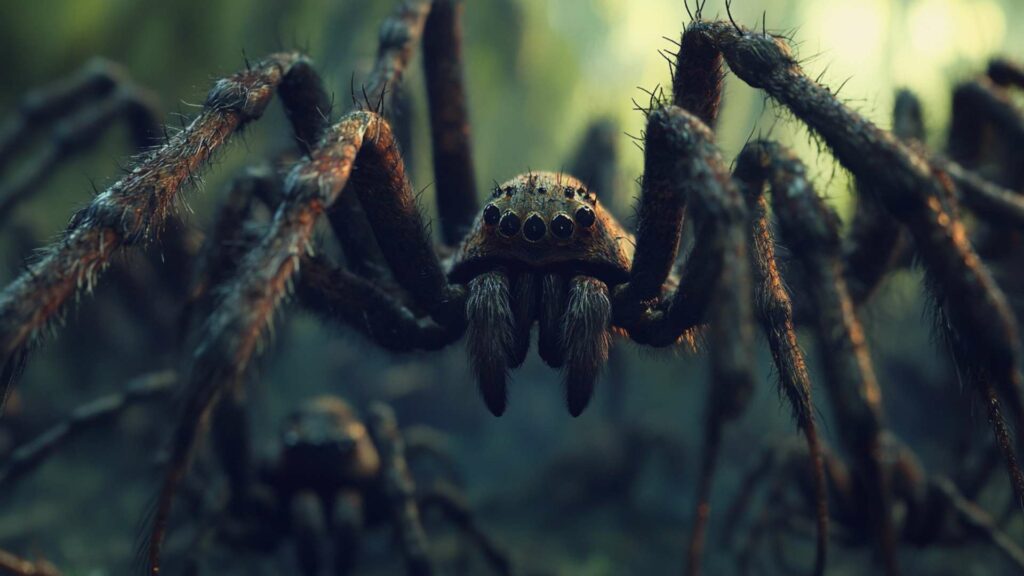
x,y
543,250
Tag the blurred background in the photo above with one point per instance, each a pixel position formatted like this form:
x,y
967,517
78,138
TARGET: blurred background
x,y
538,74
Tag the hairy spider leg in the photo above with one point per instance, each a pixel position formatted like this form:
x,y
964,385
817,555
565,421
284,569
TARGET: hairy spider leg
x,y
811,230
97,81
27,457
975,315
775,314
876,242
77,112
454,176
134,207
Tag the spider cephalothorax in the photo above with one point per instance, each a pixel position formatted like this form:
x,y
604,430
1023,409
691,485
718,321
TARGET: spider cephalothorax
x,y
324,443
545,251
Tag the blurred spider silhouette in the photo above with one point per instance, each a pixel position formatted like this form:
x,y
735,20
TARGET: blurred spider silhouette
x,y
334,479
544,250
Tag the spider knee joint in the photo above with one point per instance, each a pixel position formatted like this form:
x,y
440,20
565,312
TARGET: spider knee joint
x,y
239,94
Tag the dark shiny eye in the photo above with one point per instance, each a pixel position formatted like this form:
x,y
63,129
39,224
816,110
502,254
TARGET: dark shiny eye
x,y
561,226
569,192
496,193
509,190
542,190
509,224
534,228
585,217
491,215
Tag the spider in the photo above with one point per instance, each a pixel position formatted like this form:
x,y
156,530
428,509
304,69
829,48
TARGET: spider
x,y
334,478
543,249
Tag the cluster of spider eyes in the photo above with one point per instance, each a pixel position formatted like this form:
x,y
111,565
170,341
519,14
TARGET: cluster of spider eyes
x,y
535,227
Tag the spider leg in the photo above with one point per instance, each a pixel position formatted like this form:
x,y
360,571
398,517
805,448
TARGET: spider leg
x,y
698,78
681,165
764,469
596,158
338,295
429,445
27,457
977,520
986,199
457,203
452,503
98,79
775,314
309,528
876,242
1005,72
78,130
232,444
398,35
230,236
980,106
667,181
346,530
134,207
811,231
681,157
975,314
400,490
439,24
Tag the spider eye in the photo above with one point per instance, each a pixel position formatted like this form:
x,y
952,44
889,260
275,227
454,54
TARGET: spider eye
x,y
542,190
585,217
534,228
491,215
509,224
570,192
561,226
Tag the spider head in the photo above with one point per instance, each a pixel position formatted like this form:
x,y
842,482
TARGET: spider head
x,y
544,220
324,441
543,250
